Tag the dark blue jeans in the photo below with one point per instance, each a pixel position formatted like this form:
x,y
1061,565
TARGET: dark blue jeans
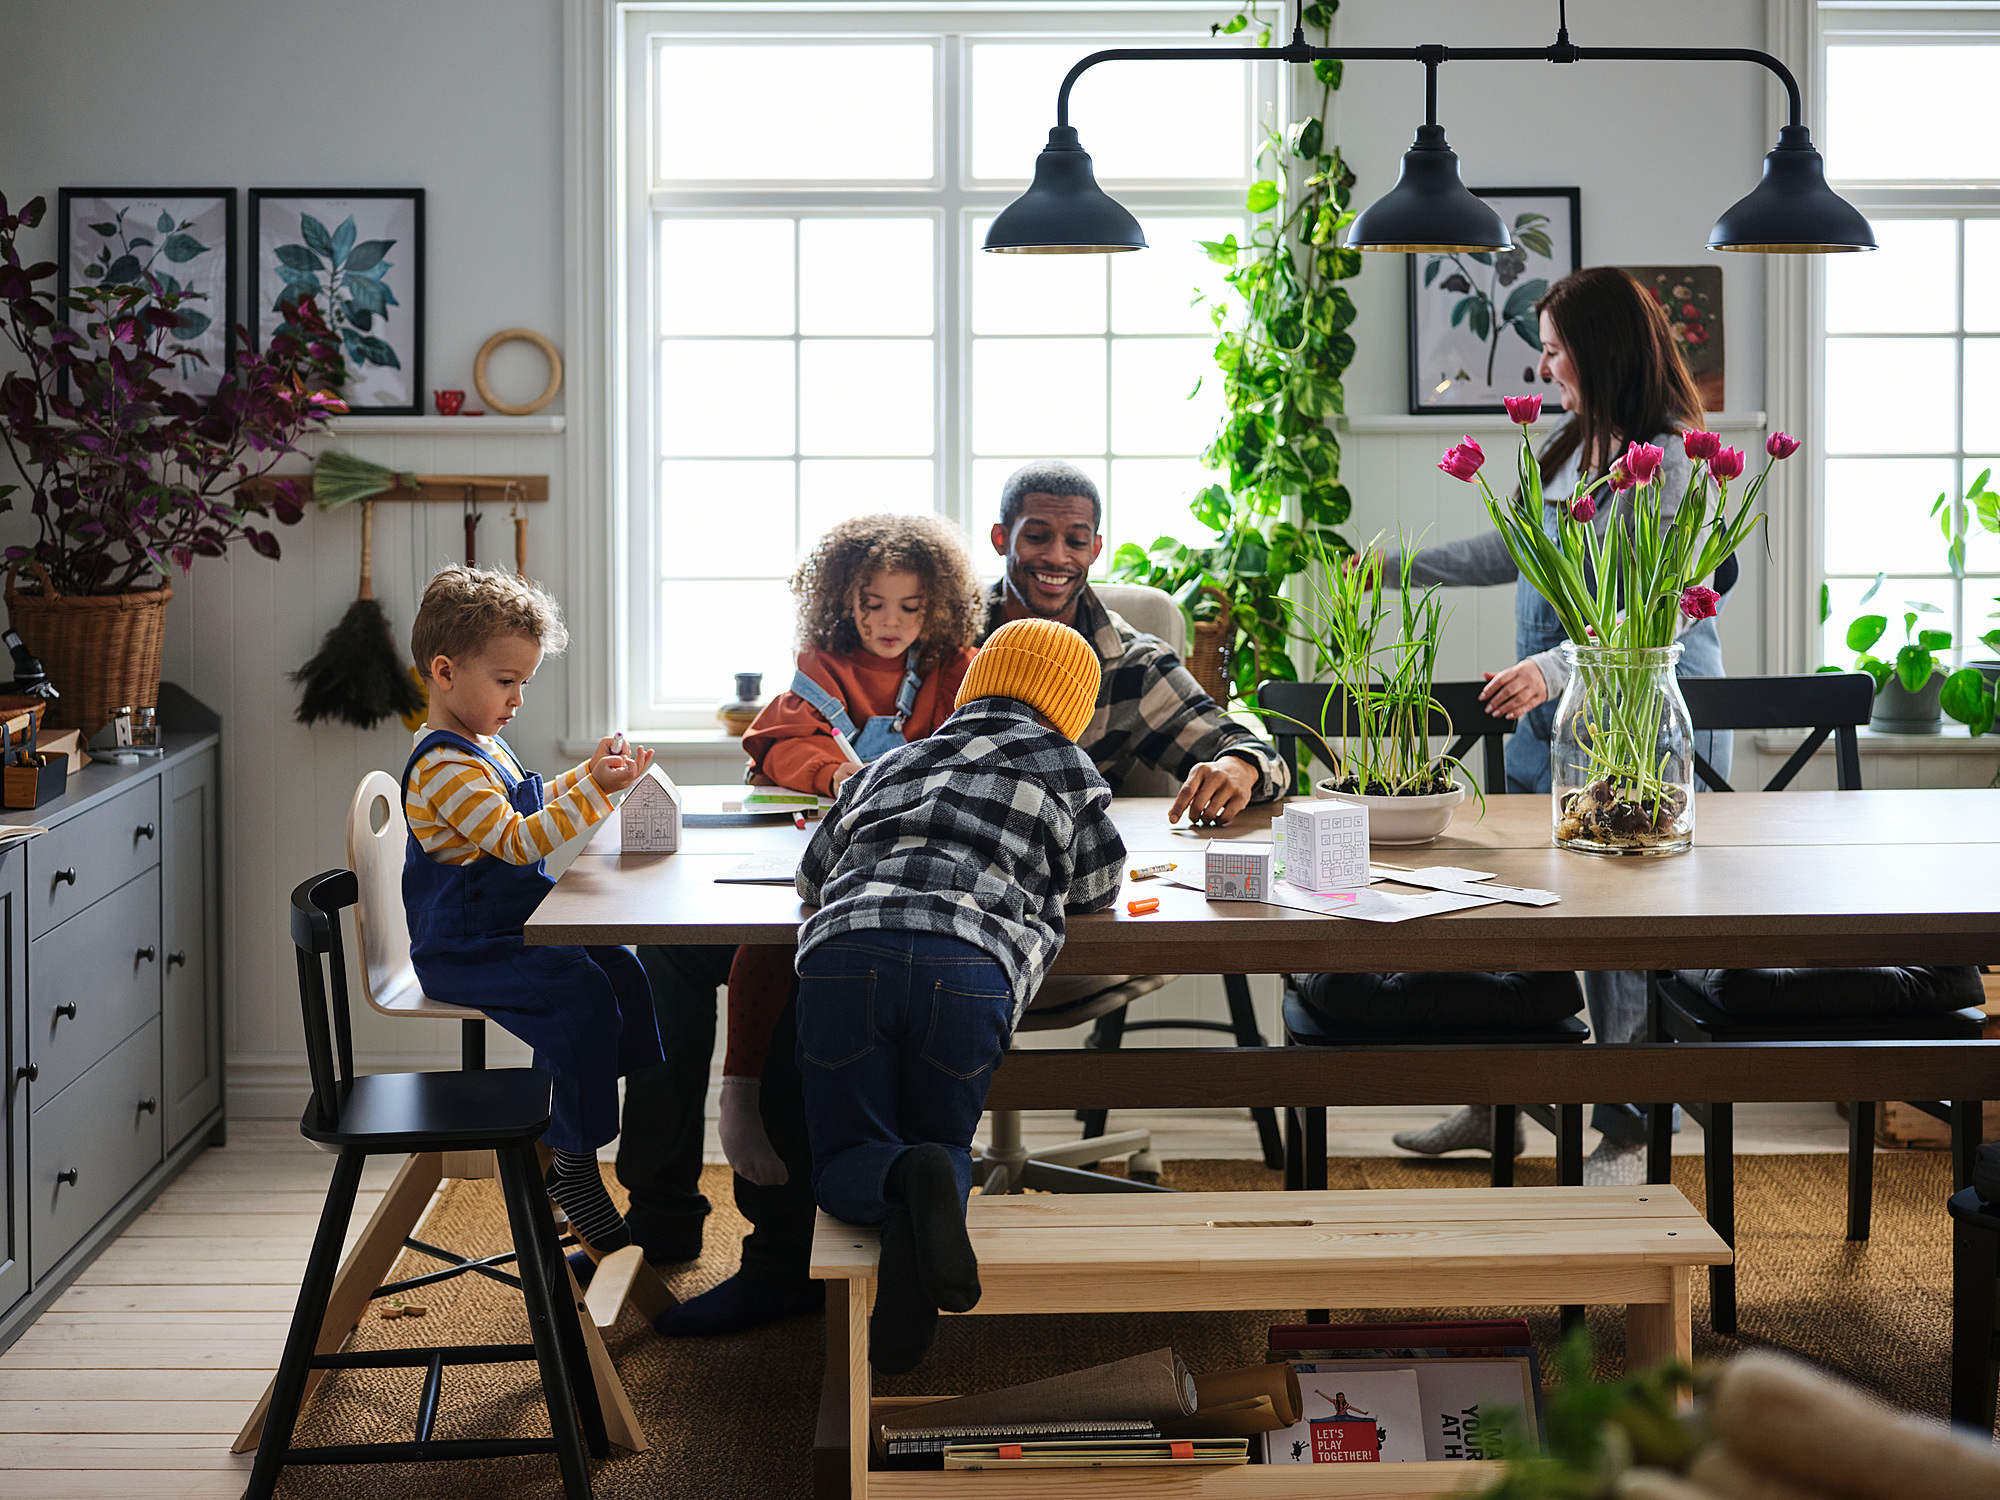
x,y
899,1034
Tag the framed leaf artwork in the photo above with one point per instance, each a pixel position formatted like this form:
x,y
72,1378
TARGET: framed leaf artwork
x,y
176,241
1474,333
358,253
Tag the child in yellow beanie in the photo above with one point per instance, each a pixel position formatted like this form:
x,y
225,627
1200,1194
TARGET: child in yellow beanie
x,y
942,876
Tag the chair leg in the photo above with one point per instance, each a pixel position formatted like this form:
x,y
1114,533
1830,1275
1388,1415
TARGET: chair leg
x,y
1108,1035
527,1214
1660,1143
1719,1167
1315,1166
1860,1167
1295,1152
1243,1019
1968,1119
1569,1145
1975,1323
1505,1117
289,1389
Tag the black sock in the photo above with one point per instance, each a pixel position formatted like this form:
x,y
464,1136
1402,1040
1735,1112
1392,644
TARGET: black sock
x,y
922,1180
904,1323
575,1183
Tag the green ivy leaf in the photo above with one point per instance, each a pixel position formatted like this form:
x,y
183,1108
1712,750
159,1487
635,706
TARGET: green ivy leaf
x,y
1825,603
1328,71
1319,15
1233,25
1211,507
1307,136
1262,196
1866,631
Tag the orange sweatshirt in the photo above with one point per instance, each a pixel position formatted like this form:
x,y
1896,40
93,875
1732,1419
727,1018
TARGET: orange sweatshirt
x,y
792,745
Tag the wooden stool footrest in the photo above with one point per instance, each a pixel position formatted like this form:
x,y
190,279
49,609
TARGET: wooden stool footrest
x,y
398,1359
441,1451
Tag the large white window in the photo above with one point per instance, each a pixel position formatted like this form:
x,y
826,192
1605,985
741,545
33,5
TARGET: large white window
x,y
1911,371
813,332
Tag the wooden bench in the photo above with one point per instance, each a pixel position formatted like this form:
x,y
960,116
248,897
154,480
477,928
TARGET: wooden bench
x,y
1188,1252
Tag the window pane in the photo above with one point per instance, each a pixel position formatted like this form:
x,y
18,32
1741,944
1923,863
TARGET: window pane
x,y
1982,547
866,276
725,276
1149,499
796,112
989,477
1139,121
866,396
1878,514
1982,274
1890,396
1036,293
1982,393
1910,285
1910,112
831,490
747,624
1155,292
1037,396
713,515
726,397
1151,382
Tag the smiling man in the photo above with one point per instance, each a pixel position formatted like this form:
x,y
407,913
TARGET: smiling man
x,y
1150,710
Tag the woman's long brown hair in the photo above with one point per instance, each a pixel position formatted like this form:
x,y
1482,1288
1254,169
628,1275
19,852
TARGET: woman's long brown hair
x,y
1630,380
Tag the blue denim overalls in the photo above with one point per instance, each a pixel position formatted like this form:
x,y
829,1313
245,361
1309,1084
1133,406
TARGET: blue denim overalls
x,y
587,1012
883,732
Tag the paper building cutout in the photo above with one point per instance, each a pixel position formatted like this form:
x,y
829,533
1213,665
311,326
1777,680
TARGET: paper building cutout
x,y
1326,845
1239,871
651,815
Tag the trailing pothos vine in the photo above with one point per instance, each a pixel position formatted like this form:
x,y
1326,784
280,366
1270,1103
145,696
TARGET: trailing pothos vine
x,y
1282,346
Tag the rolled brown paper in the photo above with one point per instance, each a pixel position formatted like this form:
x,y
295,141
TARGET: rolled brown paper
x,y
1147,1387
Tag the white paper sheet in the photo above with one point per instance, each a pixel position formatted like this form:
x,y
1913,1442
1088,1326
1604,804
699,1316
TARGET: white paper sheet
x,y
1465,882
1367,905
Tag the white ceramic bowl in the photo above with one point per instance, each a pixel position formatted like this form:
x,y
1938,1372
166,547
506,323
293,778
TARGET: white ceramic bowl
x,y
1401,821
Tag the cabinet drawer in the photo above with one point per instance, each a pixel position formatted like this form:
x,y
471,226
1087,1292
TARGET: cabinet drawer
x,y
104,966
91,855
105,1127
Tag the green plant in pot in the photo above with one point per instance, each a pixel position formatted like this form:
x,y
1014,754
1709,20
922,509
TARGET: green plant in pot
x,y
1971,695
127,479
1907,684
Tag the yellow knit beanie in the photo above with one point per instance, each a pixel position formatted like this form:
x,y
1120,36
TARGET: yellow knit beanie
x,y
1049,667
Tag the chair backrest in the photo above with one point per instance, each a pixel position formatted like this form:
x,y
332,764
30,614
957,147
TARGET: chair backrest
x,y
316,908
1153,611
1459,714
381,929
1835,703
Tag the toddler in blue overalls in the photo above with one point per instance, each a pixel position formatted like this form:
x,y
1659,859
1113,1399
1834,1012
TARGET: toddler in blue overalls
x,y
481,827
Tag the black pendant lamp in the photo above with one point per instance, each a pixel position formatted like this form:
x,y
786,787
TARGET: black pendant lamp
x,y
1792,211
1429,208
1064,211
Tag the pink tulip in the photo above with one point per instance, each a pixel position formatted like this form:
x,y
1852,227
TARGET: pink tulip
x,y
1522,410
1781,445
1621,476
1698,603
1464,459
1642,462
1728,464
1701,445
1583,508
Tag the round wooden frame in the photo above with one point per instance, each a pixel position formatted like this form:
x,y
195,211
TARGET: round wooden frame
x,y
510,336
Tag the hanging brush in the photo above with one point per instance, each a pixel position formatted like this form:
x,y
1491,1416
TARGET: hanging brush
x,y
341,479
357,675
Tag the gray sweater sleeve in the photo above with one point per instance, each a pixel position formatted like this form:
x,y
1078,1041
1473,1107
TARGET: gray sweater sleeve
x,y
1468,562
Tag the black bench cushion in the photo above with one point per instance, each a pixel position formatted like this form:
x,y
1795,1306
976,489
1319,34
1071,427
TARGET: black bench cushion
x,y
1359,1005
1818,994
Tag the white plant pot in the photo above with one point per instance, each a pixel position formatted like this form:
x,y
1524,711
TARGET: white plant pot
x,y
1401,821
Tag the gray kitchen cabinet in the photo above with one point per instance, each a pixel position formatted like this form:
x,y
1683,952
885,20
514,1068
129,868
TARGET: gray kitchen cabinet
x,y
191,957
13,1077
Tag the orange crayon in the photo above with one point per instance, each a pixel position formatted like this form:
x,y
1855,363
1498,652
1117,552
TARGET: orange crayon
x,y
1140,908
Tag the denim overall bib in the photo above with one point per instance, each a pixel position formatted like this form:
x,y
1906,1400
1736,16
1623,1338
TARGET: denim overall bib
x,y
883,732
587,1012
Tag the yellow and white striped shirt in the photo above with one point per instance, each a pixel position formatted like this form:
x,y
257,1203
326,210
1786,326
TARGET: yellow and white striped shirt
x,y
458,808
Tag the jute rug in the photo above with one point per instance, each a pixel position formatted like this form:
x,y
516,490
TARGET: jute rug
x,y
733,1417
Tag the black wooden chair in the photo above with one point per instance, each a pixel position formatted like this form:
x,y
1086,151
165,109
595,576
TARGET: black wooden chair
x,y
500,1110
1975,1306
1796,1005
1294,714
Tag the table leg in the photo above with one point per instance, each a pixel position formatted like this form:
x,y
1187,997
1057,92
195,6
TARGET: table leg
x,y
858,1390
1656,1332
830,1476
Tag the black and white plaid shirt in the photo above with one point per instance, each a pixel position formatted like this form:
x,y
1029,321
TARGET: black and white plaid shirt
x,y
986,831
1150,710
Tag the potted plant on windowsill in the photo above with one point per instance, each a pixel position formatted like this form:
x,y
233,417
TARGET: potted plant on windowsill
x,y
1908,684
127,479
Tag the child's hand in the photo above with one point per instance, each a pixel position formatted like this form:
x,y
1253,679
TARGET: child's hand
x,y
841,773
616,765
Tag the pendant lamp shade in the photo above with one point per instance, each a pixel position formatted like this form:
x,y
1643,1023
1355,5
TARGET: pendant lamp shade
x,y
1429,208
1064,211
1792,211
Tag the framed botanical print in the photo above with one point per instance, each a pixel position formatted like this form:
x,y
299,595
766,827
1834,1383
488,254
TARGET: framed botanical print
x,y
358,254
182,240
1474,334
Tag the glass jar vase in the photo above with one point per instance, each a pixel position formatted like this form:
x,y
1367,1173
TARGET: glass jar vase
x,y
1621,753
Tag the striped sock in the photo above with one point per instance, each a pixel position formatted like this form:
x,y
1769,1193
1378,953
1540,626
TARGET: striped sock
x,y
574,1181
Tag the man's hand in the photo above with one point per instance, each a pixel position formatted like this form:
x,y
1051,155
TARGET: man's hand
x,y
616,765
1215,791
1510,694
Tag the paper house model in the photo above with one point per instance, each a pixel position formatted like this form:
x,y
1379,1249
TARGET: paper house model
x,y
1326,845
1239,871
651,815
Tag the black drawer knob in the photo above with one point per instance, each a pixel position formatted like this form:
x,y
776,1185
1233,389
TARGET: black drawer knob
x,y
143,831
28,1074
67,1010
68,1177
66,877
148,953
149,1106
176,959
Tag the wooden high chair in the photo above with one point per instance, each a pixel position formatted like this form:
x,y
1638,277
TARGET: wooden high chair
x,y
375,853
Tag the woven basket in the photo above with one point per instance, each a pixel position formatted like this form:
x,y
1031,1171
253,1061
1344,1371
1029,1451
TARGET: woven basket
x,y
1208,651
102,651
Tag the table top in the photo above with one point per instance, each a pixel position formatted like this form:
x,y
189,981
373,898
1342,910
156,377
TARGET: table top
x,y
1793,878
